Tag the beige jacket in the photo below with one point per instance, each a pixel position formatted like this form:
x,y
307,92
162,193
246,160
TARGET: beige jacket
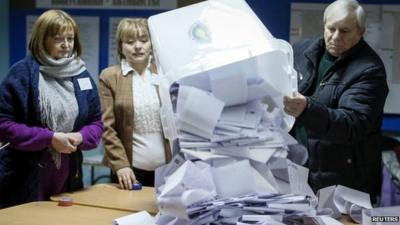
x,y
117,114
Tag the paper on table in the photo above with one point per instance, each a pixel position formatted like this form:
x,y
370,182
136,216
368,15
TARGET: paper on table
x,y
192,196
325,200
291,206
289,173
162,172
298,177
139,218
279,168
263,185
234,179
345,196
274,219
326,220
265,171
188,176
163,219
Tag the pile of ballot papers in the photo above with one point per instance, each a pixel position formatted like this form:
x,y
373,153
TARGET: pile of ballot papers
x,y
268,208
224,78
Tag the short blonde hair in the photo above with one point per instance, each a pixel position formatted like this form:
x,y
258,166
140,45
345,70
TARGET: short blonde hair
x,y
49,24
342,8
130,28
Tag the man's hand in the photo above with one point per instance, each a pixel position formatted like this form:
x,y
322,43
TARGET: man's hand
x,y
296,105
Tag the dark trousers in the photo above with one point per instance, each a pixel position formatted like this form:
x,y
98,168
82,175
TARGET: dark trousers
x,y
146,178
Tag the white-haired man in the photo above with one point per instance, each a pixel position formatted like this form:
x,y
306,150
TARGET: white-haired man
x,y
339,107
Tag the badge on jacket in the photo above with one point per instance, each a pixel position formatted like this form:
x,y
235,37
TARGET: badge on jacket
x,y
85,84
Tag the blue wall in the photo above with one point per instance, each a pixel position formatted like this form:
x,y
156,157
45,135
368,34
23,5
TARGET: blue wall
x,y
4,50
275,14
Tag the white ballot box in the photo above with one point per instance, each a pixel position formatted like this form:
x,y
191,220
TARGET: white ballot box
x,y
222,81
220,46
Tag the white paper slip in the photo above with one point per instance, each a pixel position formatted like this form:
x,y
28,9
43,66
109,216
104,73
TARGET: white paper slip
x,y
234,113
326,220
203,155
233,179
345,196
295,206
197,111
85,84
139,218
325,200
229,85
298,177
187,176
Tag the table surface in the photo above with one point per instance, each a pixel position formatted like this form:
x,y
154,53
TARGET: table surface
x,y
346,220
111,197
49,213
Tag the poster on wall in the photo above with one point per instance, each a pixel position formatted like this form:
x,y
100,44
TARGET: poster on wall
x,y
112,45
89,37
390,52
306,21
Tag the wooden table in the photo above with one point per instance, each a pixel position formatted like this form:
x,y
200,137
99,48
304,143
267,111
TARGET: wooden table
x,y
111,197
49,213
346,220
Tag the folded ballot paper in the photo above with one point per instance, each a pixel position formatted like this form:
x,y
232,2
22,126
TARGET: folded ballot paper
x,y
140,218
223,78
344,200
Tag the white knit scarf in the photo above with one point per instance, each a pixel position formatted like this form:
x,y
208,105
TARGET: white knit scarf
x,y
58,104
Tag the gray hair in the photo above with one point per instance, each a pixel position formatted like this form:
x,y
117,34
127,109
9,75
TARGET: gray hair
x,y
345,7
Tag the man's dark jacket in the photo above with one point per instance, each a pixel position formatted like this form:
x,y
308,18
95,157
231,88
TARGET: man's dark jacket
x,y
343,116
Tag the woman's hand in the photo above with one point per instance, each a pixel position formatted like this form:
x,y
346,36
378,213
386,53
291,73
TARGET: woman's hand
x,y
62,144
126,178
75,138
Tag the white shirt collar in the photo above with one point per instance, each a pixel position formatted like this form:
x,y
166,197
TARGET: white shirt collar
x,y
126,68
